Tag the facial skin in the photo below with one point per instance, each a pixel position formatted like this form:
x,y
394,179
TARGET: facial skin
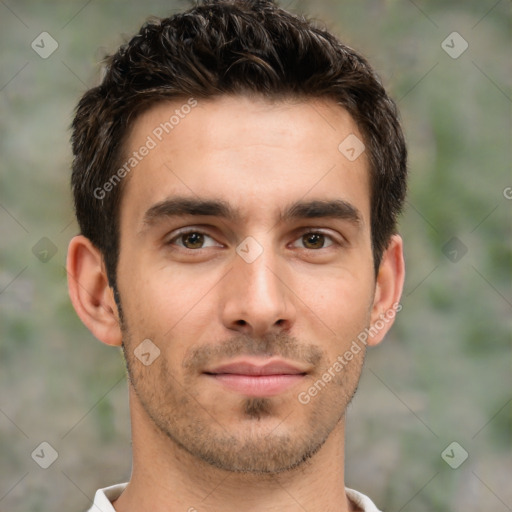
x,y
303,293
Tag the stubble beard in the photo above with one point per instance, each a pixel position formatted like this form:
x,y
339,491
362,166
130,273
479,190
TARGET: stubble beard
x,y
261,444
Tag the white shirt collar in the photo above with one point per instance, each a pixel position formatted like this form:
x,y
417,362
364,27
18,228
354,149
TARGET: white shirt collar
x,y
104,498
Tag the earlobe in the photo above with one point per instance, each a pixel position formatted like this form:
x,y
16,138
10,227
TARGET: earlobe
x,y
92,297
388,290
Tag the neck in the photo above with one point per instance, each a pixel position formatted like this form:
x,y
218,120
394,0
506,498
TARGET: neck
x,y
167,478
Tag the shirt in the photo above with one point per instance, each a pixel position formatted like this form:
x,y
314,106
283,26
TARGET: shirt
x,y
104,498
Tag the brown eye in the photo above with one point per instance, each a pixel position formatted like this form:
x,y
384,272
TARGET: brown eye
x,y
313,240
192,240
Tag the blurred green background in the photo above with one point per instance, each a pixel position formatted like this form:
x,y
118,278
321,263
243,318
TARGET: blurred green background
x,y
444,372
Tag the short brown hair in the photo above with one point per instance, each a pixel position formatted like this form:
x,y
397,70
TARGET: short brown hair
x,y
229,47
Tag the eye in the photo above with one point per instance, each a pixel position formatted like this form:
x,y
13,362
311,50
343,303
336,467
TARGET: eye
x,y
193,240
315,240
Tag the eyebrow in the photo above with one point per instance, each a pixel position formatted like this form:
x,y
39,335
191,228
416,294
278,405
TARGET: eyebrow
x,y
185,206
316,209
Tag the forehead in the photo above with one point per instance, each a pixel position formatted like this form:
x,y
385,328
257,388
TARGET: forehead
x,y
250,152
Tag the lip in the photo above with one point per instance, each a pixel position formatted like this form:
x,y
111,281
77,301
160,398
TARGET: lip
x,y
261,378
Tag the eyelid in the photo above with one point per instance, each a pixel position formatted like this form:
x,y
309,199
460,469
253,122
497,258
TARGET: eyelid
x,y
297,234
185,231
339,241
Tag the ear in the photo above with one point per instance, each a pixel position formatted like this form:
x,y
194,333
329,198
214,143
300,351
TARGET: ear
x,y
92,297
388,290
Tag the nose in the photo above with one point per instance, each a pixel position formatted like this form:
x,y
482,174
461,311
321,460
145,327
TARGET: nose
x,y
256,299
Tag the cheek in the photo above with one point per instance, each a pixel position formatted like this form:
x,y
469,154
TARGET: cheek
x,y
163,295
172,309
341,301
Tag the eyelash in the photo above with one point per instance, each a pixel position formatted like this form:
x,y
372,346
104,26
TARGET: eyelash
x,y
306,231
185,232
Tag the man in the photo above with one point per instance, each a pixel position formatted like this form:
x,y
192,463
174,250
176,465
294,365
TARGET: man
x,y
237,178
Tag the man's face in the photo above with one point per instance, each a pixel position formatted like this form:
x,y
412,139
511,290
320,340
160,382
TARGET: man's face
x,y
245,257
